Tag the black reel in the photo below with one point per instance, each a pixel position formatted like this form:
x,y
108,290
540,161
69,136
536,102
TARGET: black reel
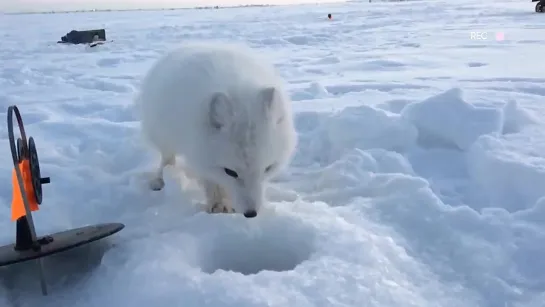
x,y
30,152
37,179
20,149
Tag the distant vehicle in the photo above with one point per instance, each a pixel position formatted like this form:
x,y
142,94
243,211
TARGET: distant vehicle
x,y
540,6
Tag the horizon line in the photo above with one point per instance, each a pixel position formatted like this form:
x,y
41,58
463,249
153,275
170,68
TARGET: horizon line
x,y
97,10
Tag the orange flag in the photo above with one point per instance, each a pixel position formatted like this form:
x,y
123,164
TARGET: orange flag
x,y
17,204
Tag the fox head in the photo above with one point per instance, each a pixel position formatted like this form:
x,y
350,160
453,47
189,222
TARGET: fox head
x,y
251,138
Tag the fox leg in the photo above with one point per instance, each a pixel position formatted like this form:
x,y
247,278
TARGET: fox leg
x,y
216,199
157,183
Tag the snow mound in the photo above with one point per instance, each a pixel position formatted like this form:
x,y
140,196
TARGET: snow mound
x,y
516,118
395,105
362,127
506,175
350,174
447,120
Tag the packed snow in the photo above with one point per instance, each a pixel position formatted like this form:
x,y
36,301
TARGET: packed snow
x,y
418,179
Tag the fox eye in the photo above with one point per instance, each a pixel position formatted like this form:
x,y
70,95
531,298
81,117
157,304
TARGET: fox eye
x,y
231,172
269,168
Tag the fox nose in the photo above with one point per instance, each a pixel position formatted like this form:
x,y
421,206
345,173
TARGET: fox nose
x,y
250,214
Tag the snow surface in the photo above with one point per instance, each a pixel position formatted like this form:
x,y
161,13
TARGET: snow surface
x,y
418,181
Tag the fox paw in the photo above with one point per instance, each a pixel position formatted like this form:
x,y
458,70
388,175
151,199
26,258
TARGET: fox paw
x,y
220,208
156,184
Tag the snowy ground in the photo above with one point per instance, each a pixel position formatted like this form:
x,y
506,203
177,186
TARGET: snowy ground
x,y
419,178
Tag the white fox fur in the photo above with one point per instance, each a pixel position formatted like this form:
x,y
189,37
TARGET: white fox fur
x,y
222,112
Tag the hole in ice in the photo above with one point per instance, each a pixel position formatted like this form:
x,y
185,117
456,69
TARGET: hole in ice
x,y
275,247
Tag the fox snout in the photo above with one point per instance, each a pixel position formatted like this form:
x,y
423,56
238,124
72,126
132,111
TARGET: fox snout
x,y
250,213
249,199
250,207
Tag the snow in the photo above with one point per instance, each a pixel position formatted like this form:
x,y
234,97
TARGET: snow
x,y
418,180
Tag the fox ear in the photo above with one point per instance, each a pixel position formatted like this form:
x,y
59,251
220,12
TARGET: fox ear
x,y
220,110
269,99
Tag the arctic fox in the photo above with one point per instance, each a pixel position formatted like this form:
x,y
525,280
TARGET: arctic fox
x,y
223,112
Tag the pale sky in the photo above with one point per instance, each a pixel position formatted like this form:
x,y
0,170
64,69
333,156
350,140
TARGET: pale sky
x,y
58,5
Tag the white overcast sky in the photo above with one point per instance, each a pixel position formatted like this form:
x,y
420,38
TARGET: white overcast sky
x,y
41,5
